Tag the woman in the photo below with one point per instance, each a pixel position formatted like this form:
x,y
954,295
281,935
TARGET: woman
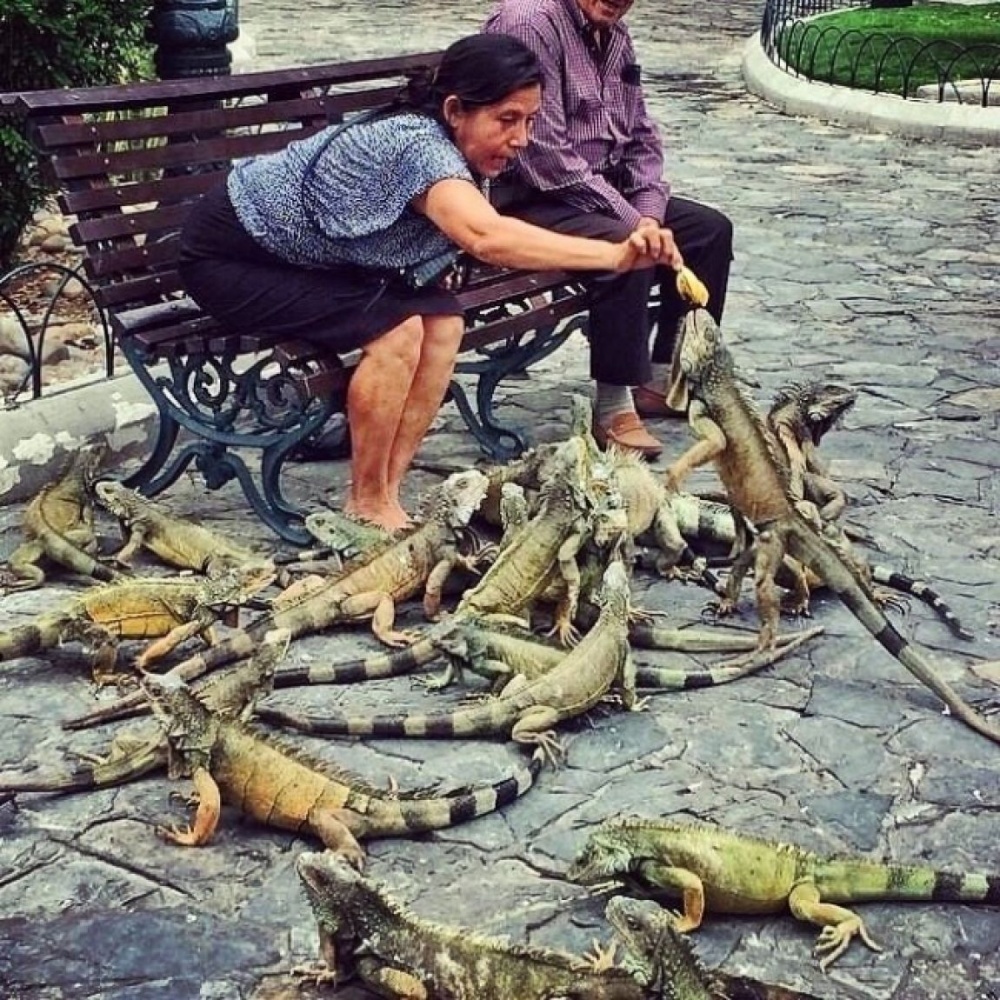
x,y
310,243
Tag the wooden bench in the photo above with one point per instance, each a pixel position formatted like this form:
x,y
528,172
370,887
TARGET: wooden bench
x,y
128,161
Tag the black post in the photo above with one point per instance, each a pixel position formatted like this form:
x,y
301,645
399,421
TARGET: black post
x,y
191,37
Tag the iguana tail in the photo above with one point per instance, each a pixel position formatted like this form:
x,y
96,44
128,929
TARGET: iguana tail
x,y
116,771
405,816
917,588
26,640
852,880
395,664
820,557
488,719
678,679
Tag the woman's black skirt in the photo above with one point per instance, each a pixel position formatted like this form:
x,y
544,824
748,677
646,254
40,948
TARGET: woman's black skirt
x,y
250,290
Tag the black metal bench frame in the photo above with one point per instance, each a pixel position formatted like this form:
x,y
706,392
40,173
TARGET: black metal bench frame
x,y
127,162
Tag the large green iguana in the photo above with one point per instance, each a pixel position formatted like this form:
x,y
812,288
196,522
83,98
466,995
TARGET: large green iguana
x,y
366,935
718,870
177,542
230,762
167,609
231,695
665,963
527,710
59,524
748,460
367,588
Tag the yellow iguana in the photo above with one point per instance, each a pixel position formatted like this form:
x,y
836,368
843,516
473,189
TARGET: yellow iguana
x,y
59,524
166,609
747,457
230,762
720,871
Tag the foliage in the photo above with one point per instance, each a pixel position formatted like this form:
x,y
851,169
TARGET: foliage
x,y
58,43
897,50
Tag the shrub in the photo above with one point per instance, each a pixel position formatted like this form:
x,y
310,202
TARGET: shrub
x,y
58,43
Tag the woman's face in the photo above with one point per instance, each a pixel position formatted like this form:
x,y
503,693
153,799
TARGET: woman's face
x,y
490,137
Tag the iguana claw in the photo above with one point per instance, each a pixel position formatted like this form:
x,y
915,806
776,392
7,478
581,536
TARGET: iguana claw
x,y
835,938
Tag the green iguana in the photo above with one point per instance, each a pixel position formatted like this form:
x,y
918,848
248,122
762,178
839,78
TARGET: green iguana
x,y
366,935
59,524
230,762
231,695
665,963
527,710
166,609
366,589
718,870
799,417
177,542
748,460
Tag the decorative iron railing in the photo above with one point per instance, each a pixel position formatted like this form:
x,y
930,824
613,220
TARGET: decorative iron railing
x,y
36,299
798,39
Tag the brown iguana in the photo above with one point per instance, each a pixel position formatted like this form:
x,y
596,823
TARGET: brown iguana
x,y
230,762
167,609
721,871
665,963
367,588
177,542
231,695
59,524
366,935
748,460
527,710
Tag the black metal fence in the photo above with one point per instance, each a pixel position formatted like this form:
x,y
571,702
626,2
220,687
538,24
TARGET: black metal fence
x,y
800,40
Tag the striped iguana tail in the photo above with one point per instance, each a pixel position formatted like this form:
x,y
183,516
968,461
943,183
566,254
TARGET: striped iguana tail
x,y
45,632
805,545
917,588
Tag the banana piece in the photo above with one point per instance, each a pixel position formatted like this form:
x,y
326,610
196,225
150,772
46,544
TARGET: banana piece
x,y
691,288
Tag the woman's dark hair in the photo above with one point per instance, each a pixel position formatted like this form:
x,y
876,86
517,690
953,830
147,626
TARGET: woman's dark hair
x,y
479,70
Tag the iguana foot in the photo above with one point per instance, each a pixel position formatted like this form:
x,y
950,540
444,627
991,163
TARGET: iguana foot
x,y
399,638
834,939
316,974
889,599
552,748
722,608
186,837
601,957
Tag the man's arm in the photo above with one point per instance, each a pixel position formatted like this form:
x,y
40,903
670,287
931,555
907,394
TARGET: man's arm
x,y
643,182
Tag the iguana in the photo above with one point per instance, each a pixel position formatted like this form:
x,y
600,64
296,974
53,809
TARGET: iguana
x,y
799,417
175,541
665,963
498,650
718,870
747,458
367,588
366,935
527,710
230,762
166,609
59,524
231,695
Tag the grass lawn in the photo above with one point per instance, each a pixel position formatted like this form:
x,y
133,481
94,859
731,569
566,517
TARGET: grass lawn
x,y
897,50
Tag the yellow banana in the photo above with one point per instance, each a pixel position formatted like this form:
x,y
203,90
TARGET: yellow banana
x,y
691,288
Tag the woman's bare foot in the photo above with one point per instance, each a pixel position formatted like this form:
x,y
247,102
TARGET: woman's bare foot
x,y
391,517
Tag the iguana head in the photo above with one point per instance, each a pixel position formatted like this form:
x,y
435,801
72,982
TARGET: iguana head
x,y
614,591
454,501
605,854
190,728
114,496
812,408
654,952
234,587
702,349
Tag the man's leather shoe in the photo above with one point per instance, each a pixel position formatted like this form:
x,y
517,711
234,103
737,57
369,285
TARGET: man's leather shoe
x,y
651,403
626,431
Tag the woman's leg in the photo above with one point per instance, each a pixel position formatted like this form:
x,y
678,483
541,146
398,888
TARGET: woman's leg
x,y
377,399
438,350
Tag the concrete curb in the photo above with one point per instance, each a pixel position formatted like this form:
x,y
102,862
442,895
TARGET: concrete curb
x,y
873,112
38,437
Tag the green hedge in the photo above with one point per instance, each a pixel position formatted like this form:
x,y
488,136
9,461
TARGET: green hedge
x,y
58,43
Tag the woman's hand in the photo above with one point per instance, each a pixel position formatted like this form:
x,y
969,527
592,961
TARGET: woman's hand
x,y
647,245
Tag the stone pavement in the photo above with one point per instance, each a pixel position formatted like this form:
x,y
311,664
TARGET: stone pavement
x,y
860,258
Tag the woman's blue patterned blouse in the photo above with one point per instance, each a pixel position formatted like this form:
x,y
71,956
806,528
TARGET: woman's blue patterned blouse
x,y
345,199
